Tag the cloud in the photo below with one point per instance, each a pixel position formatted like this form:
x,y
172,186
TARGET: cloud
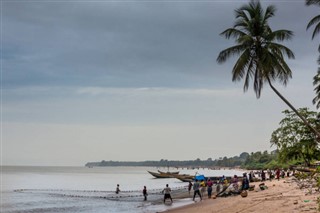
x,y
143,71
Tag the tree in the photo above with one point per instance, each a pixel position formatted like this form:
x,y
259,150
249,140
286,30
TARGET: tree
x,y
294,140
261,57
316,79
315,20
244,155
316,83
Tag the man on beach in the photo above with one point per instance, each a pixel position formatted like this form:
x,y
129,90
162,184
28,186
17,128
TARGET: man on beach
x,y
196,189
145,193
118,189
167,194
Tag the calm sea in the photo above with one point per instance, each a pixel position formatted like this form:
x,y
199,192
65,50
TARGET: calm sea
x,y
82,189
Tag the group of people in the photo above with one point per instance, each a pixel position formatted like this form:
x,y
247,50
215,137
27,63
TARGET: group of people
x,y
268,174
166,191
200,186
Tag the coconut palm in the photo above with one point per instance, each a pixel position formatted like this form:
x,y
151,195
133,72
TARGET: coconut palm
x,y
316,83
315,21
261,57
316,79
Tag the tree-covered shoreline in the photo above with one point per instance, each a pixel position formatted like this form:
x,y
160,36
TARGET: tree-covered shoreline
x,y
256,160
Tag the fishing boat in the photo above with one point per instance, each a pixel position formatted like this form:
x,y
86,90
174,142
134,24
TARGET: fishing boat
x,y
160,175
186,179
171,173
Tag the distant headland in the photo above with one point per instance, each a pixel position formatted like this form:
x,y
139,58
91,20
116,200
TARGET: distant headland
x,y
221,162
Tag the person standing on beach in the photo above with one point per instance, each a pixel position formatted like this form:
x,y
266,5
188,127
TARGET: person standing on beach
x,y
263,175
278,174
196,189
245,182
145,193
167,194
189,187
209,187
202,187
235,182
118,189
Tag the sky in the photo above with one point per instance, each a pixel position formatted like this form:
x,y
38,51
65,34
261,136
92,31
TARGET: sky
x,y
85,81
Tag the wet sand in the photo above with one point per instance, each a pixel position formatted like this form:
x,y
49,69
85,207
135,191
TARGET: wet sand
x,y
281,196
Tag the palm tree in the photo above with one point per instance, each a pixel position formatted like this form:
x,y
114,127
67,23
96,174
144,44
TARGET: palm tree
x,y
310,2
316,83
316,79
261,58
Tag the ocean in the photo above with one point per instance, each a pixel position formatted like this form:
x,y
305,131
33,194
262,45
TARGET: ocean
x,y
81,189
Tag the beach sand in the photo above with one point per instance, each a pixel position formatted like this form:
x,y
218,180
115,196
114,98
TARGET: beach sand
x,y
281,196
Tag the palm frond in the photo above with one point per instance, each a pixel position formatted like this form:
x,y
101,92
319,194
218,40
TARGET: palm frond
x,y
281,48
232,32
257,80
312,2
280,35
227,53
250,71
239,68
270,11
316,30
314,21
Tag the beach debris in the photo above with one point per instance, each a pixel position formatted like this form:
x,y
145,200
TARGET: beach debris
x,y
295,202
244,193
251,187
261,186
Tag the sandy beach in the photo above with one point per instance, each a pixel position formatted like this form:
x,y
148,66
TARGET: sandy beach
x,y
281,196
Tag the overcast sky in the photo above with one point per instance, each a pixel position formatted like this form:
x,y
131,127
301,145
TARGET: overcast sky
x,y
137,80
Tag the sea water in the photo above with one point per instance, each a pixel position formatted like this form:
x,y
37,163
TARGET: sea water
x,y
82,189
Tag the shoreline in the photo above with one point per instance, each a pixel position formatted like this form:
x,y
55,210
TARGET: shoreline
x,y
280,196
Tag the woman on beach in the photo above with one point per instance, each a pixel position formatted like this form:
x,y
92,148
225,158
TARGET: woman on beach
x,y
235,182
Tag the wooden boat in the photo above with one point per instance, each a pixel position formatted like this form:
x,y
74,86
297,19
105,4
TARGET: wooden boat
x,y
304,169
186,179
158,175
175,173
190,178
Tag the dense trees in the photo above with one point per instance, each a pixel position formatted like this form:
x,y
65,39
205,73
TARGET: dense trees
x,y
255,160
294,140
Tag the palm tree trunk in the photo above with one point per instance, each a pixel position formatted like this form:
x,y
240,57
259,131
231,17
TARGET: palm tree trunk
x,y
296,111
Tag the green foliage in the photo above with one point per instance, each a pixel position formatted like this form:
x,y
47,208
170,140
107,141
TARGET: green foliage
x,y
261,56
315,22
259,160
294,140
318,184
255,160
